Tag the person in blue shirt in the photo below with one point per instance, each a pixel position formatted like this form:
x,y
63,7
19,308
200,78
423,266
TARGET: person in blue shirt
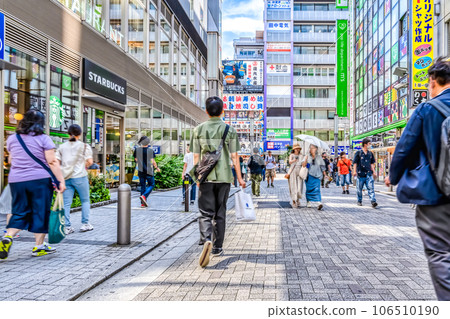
x,y
418,147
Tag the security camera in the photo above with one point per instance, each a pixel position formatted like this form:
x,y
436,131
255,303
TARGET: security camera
x,y
400,85
400,72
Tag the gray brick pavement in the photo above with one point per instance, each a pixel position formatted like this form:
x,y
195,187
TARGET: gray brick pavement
x,y
344,252
83,259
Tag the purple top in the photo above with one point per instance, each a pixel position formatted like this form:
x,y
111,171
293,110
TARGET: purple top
x,y
23,167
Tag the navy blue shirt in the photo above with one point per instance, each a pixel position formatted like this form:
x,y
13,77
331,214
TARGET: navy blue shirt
x,y
364,163
420,143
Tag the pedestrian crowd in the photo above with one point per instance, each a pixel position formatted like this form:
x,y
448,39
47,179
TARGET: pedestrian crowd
x,y
420,168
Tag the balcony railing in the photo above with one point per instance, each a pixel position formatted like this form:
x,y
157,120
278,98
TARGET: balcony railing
x,y
320,15
315,37
313,124
248,41
315,80
315,103
279,79
279,57
248,56
315,58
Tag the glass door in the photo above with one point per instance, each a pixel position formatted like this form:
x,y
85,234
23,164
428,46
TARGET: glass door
x,y
112,151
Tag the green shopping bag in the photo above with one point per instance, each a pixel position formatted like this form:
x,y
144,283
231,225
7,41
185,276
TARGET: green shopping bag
x,y
56,223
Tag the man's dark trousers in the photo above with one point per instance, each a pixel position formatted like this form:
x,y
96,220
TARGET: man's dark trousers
x,y
212,204
433,223
144,180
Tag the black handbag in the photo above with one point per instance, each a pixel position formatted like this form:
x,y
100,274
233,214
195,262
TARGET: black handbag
x,y
209,160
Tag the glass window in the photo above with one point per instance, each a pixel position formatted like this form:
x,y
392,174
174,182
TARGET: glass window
x,y
318,72
152,9
65,97
297,7
94,14
320,50
157,125
331,71
297,92
320,7
136,30
310,71
306,7
307,115
115,20
305,28
297,70
332,50
330,115
307,50
320,28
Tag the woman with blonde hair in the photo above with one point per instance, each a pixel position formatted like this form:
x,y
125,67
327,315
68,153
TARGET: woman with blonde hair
x,y
295,182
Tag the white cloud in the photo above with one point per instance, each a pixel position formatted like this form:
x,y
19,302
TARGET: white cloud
x,y
252,8
242,24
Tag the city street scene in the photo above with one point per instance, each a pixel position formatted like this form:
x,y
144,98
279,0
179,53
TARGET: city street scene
x,y
274,151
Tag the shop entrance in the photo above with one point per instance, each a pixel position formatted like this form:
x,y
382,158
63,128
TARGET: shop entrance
x,y
102,132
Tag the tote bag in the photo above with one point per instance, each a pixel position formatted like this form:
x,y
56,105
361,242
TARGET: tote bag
x,y
245,211
56,222
6,201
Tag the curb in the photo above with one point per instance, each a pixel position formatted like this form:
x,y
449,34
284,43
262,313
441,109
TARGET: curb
x,y
118,270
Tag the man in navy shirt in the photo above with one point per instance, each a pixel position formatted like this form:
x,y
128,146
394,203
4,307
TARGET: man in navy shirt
x,y
416,152
364,169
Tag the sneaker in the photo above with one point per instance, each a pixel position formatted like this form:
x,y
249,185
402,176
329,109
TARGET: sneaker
x,y
308,205
86,227
348,192
42,250
143,201
192,202
320,206
204,256
217,252
359,204
343,192
69,230
5,246
374,204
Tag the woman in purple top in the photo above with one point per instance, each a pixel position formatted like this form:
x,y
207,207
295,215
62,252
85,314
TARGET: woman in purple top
x,y
31,185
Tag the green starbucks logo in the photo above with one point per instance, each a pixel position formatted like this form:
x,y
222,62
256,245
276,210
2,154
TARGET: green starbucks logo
x,y
56,112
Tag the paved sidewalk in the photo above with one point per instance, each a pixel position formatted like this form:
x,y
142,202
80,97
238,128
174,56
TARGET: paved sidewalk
x,y
344,252
83,259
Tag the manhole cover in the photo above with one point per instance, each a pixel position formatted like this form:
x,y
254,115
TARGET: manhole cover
x,y
274,205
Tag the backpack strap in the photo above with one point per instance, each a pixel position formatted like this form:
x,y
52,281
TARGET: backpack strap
x,y
37,160
227,128
440,106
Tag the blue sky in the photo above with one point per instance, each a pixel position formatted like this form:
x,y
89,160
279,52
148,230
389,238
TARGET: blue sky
x,y
240,18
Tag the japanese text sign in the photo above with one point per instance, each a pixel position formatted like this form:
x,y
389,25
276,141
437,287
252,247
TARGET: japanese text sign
x,y
244,102
342,68
279,26
278,4
422,42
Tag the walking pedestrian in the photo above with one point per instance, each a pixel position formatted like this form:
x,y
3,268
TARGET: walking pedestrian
x,y
145,158
413,167
295,182
364,169
214,192
32,157
270,169
188,166
74,157
344,166
316,171
325,180
264,169
336,175
256,164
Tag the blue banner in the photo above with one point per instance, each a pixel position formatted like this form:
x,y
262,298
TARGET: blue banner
x,y
2,36
340,149
156,149
276,146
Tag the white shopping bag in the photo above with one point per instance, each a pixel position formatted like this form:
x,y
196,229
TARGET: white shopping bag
x,y
6,201
245,212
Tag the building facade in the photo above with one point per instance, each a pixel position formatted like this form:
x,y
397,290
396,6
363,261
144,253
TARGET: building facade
x,y
393,47
300,81
119,68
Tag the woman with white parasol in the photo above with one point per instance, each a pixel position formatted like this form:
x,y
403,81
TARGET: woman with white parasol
x,y
295,182
316,171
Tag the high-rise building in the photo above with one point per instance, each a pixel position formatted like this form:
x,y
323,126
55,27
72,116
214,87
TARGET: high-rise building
x,y
214,47
394,43
300,80
119,68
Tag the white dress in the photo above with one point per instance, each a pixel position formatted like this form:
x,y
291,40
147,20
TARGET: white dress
x,y
295,182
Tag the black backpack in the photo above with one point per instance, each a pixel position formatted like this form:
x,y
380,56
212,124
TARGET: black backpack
x,y
442,171
209,160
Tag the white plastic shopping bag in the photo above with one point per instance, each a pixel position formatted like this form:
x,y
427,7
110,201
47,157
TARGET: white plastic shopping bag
x,y
6,201
245,212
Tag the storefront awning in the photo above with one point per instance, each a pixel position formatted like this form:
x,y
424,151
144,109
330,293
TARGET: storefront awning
x,y
389,127
5,65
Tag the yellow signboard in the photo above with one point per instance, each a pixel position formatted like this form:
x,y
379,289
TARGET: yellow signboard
x,y
422,42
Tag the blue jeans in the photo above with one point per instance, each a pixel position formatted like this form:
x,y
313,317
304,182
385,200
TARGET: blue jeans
x,y
145,179
337,178
193,188
345,179
368,181
81,185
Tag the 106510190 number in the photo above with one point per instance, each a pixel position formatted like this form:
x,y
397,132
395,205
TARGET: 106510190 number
x,y
405,310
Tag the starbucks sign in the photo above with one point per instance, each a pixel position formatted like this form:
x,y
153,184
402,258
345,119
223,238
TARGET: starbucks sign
x,y
56,112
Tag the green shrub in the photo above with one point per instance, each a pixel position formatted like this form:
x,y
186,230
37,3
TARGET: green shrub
x,y
171,170
98,191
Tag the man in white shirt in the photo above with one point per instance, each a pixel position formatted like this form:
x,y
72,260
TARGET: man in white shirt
x,y
270,169
188,165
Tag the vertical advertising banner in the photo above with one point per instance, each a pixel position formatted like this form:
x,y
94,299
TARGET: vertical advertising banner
x,y
422,42
342,68
2,36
